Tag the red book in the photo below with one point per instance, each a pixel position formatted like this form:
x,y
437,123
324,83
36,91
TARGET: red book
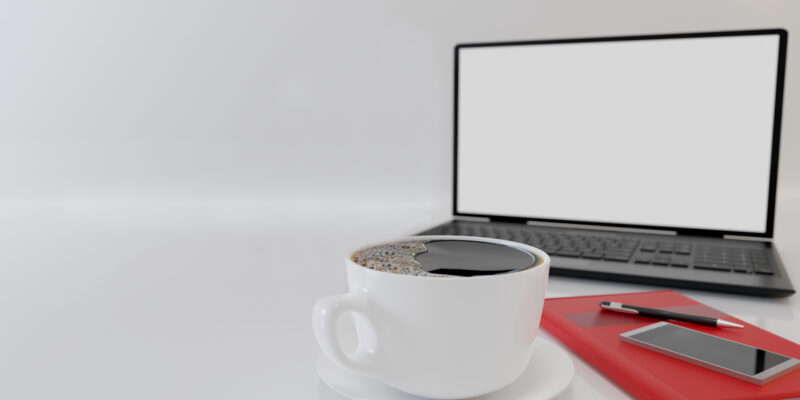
x,y
594,335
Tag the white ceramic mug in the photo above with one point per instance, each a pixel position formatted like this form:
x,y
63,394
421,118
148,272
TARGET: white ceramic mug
x,y
438,337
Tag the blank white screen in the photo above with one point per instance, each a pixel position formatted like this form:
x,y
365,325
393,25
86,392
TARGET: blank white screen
x,y
669,132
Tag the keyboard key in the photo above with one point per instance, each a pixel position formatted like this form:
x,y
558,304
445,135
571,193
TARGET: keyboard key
x,y
593,255
569,252
764,272
661,259
712,266
743,268
617,256
762,269
683,248
643,259
660,264
552,249
666,248
681,262
648,246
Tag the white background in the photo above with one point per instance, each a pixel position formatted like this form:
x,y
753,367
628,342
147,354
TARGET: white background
x,y
166,167
286,101
672,133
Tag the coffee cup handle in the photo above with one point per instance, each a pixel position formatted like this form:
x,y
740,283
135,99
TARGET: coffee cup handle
x,y
325,319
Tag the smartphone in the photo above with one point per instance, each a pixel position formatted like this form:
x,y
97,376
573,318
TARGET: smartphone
x,y
738,360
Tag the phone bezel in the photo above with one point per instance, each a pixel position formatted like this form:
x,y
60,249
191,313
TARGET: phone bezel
x,y
761,378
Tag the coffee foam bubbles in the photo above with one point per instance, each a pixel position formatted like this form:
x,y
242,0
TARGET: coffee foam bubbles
x,y
397,257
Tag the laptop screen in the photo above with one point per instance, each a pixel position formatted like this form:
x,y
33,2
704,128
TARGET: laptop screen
x,y
668,132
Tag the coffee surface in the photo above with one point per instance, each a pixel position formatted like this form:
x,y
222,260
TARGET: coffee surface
x,y
450,257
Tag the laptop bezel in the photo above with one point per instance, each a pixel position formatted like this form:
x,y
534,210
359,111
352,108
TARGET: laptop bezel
x,y
773,176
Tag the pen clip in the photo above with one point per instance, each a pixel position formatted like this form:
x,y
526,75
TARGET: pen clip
x,y
617,307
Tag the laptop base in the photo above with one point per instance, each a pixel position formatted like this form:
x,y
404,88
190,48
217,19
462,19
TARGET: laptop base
x,y
690,262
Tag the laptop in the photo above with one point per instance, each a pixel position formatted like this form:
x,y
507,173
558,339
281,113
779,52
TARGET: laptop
x,y
648,159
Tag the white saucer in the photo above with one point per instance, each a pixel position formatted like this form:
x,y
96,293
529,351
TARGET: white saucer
x,y
548,374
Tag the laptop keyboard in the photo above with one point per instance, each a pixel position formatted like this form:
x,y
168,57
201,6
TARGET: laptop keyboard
x,y
609,247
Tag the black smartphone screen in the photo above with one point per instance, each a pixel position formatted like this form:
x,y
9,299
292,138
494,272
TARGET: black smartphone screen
x,y
724,353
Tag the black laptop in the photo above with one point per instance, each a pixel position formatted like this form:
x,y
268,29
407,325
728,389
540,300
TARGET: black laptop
x,y
649,159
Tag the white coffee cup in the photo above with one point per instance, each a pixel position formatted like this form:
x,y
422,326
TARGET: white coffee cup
x,y
438,337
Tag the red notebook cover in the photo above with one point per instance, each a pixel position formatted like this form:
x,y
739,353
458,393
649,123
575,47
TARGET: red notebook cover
x,y
594,335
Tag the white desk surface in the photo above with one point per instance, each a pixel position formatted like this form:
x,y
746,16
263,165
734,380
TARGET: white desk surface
x,y
213,300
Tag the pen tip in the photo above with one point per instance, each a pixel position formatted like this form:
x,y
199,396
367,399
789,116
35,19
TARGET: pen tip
x,y
722,322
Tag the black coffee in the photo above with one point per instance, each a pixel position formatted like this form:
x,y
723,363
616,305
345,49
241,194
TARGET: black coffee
x,y
444,258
